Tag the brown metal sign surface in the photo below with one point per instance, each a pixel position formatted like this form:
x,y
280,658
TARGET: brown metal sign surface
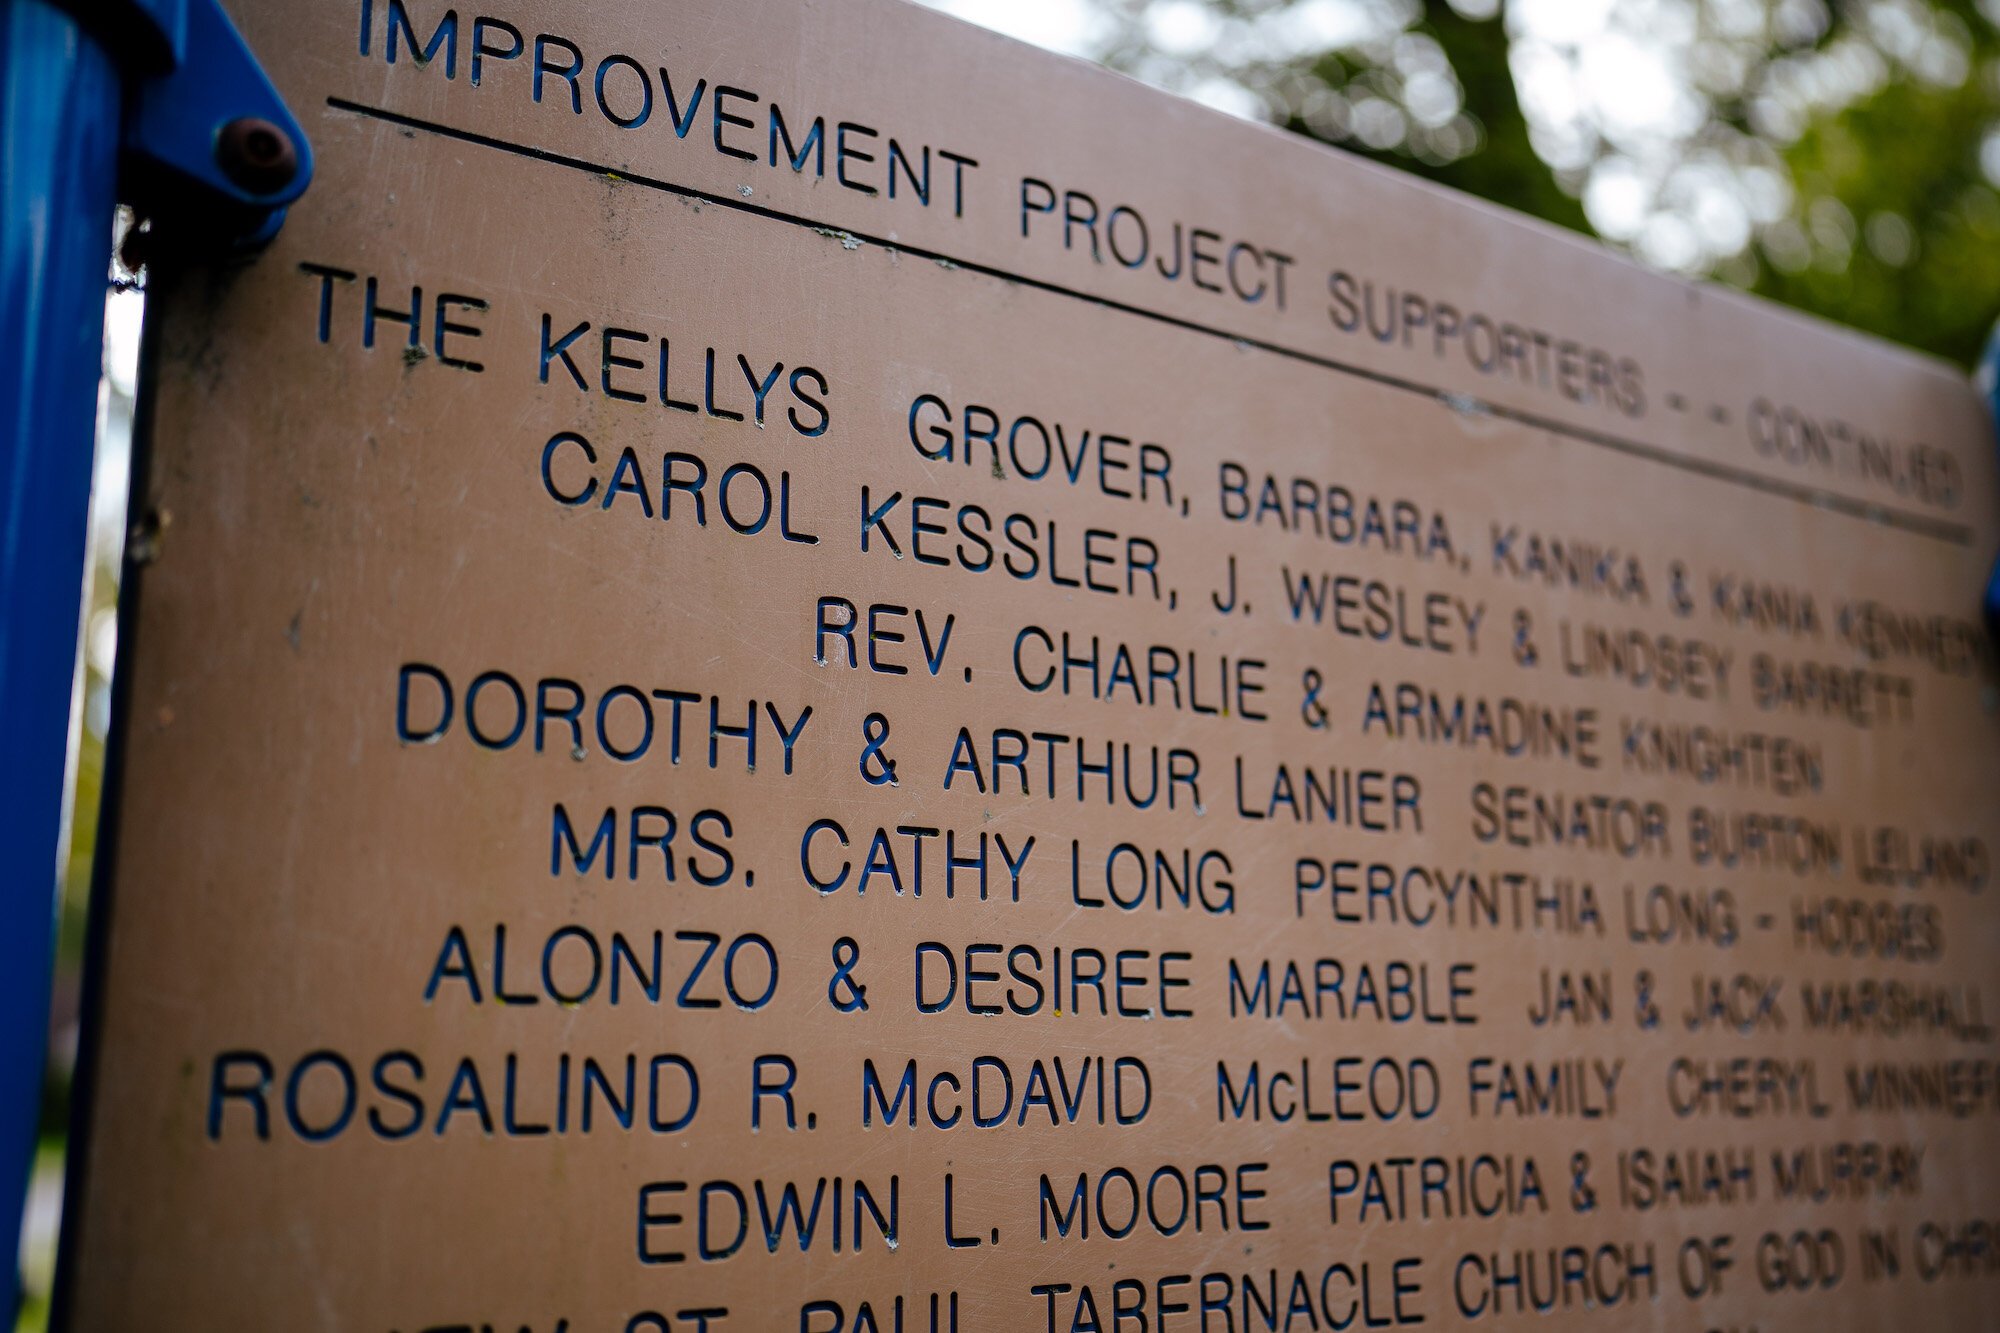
x,y
798,669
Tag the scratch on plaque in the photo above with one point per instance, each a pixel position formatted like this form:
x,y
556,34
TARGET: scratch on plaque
x,y
292,630
1465,404
848,240
745,191
302,1242
944,263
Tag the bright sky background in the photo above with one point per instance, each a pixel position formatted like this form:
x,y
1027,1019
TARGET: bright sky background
x,y
1060,25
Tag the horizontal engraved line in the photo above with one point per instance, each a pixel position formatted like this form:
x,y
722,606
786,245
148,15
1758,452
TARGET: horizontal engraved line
x,y
1920,524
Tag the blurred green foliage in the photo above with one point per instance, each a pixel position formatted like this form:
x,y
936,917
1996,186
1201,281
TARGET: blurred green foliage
x,y
1907,223
1840,156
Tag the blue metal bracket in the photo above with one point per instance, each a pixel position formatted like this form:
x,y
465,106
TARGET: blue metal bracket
x,y
209,147
160,104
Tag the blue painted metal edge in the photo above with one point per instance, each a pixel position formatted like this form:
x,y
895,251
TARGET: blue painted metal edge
x,y
59,134
1988,381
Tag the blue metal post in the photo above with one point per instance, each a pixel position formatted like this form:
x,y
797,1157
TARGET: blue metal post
x,y
59,145
1989,385
159,102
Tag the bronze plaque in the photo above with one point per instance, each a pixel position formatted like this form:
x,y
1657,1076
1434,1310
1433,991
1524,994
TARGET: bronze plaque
x,y
800,669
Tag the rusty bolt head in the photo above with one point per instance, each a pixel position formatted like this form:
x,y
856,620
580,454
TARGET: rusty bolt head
x,y
256,155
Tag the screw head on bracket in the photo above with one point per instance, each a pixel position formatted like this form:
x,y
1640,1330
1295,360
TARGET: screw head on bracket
x,y
256,155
